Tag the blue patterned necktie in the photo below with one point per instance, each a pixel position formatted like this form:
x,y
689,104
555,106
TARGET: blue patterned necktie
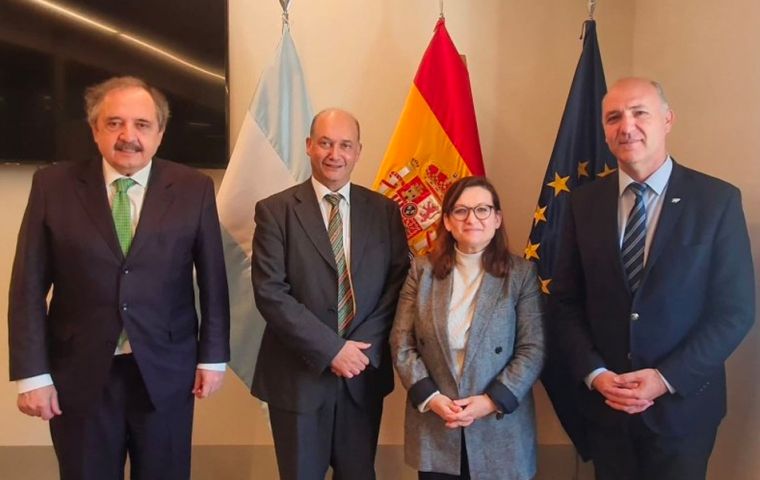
x,y
345,293
634,238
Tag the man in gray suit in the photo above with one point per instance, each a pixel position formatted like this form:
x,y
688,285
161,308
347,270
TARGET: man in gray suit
x,y
329,258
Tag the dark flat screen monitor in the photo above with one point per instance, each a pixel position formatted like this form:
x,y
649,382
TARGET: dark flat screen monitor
x,y
52,50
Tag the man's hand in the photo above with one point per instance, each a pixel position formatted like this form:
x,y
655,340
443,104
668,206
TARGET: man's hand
x,y
445,408
646,384
473,408
207,382
41,402
621,394
350,360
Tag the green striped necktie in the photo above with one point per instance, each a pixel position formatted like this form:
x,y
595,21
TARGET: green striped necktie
x,y
345,293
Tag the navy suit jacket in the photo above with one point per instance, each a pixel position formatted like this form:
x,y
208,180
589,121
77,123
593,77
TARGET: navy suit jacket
x,y
693,307
296,289
68,241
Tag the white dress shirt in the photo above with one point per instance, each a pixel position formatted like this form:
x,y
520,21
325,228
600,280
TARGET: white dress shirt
x,y
344,207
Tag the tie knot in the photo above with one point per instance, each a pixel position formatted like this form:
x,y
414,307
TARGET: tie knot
x,y
333,198
638,189
124,183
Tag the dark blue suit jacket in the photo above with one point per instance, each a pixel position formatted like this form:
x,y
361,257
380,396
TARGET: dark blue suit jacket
x,y
68,241
693,307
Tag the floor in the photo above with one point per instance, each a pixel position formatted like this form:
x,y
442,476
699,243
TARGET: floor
x,y
258,462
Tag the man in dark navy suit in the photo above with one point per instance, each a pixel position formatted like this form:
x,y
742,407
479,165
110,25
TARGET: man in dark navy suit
x,y
653,291
116,359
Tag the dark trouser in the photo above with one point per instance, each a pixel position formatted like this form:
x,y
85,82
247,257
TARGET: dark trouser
x,y
94,446
464,468
341,434
634,452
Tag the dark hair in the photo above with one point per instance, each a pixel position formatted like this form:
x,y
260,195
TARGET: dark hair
x,y
496,259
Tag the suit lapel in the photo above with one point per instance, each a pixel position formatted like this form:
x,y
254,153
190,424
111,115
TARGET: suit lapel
x,y
158,197
606,220
486,298
91,190
672,206
440,298
310,216
360,221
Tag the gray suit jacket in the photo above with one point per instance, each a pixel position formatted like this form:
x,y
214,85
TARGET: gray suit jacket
x,y
504,356
296,289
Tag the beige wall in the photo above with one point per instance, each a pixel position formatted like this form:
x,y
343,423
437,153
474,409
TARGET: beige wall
x,y
705,54
362,55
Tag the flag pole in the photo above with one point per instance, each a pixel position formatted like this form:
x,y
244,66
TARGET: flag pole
x,y
591,6
285,4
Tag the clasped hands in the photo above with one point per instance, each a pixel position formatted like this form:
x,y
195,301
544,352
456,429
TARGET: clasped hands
x,y
461,412
351,359
631,392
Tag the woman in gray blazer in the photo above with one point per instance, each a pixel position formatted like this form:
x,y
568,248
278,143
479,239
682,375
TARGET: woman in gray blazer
x,y
468,344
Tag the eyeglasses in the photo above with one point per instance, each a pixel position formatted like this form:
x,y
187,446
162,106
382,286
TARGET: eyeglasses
x,y
460,212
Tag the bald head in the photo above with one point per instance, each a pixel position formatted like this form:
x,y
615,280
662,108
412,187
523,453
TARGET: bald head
x,y
333,113
636,119
333,147
640,82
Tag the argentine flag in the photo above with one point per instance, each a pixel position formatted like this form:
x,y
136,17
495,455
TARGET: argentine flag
x,y
269,156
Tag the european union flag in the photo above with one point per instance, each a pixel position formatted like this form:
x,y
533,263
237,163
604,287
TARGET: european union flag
x,y
580,155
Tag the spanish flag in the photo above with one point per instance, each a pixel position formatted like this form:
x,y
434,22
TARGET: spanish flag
x,y
435,142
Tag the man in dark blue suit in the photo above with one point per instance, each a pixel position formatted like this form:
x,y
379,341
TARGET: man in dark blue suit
x,y
116,359
654,289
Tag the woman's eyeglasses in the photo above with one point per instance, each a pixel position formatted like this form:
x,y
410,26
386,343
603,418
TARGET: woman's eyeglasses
x,y
481,212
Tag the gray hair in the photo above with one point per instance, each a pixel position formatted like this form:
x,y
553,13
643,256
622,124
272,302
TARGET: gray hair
x,y
661,93
94,95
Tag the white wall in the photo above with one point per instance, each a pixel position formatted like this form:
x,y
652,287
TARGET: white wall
x,y
362,55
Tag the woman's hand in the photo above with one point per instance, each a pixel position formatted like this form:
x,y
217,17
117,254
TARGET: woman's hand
x,y
471,409
445,408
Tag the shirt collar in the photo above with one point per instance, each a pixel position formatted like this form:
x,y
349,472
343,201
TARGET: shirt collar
x,y
321,190
140,177
656,181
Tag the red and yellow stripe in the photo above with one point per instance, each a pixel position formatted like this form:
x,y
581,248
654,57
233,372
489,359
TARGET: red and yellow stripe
x,y
435,142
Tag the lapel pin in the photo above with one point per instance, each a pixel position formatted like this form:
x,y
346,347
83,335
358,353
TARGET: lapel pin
x,y
675,200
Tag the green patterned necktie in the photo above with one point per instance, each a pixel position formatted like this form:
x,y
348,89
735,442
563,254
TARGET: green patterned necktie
x,y
121,211
122,220
345,293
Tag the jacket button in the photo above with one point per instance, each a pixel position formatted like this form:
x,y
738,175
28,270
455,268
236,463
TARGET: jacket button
x,y
630,356
634,316
498,350
124,307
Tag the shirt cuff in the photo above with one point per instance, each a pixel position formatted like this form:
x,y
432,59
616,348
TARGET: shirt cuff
x,y
591,376
425,405
667,384
216,367
33,383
